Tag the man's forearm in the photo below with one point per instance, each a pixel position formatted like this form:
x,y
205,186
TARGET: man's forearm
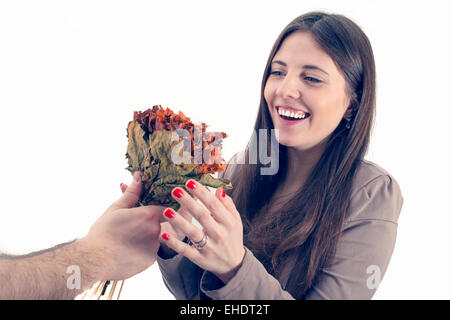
x,y
61,272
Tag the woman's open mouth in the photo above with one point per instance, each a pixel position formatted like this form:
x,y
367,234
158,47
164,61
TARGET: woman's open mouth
x,y
288,117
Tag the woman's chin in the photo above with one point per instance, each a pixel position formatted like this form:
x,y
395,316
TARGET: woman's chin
x,y
292,143
287,142
283,139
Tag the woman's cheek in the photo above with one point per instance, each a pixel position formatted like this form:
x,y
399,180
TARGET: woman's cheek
x,y
268,93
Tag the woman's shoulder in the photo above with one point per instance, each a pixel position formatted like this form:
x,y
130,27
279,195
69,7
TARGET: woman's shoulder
x,y
376,194
368,172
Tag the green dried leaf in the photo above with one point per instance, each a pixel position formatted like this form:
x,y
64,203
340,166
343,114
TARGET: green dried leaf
x,y
149,151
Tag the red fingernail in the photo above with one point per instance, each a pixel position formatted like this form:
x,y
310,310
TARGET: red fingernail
x,y
223,193
177,192
165,236
169,213
121,185
191,184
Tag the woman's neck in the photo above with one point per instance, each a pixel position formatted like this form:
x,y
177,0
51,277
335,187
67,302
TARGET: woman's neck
x,y
300,165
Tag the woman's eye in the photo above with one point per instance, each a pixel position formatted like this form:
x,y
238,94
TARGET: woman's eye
x,y
276,73
311,79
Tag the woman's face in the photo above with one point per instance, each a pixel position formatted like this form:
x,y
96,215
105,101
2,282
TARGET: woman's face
x,y
304,81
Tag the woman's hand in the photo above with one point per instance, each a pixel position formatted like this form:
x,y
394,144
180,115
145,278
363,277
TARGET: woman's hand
x,y
223,251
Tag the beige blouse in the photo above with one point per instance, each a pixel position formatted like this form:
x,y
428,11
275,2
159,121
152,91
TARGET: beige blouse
x,y
363,252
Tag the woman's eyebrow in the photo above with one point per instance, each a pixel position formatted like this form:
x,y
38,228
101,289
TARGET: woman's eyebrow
x,y
280,62
308,66
311,67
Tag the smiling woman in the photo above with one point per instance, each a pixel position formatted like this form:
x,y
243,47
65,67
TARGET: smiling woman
x,y
323,226
297,85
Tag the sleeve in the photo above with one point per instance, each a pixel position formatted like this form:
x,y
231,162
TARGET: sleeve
x,y
180,275
251,282
366,245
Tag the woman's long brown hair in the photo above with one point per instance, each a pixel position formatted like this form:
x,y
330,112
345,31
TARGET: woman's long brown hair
x,y
311,221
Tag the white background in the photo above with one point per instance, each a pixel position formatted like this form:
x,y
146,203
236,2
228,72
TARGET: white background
x,y
73,72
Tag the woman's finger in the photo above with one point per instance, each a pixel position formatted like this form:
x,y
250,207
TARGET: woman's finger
x,y
196,210
182,248
227,202
179,223
185,214
211,202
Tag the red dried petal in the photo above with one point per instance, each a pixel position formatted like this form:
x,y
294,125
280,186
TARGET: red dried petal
x,y
157,118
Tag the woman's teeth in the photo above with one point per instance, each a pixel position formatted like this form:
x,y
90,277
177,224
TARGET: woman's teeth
x,y
290,115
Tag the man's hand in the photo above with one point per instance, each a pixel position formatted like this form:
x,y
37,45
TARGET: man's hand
x,y
126,237
120,244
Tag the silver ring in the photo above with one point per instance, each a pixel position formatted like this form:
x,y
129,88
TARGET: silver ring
x,y
200,244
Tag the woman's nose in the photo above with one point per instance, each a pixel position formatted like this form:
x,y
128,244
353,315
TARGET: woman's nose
x,y
289,88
